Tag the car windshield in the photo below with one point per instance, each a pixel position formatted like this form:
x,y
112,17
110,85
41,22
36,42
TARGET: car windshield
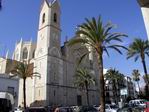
x,y
141,102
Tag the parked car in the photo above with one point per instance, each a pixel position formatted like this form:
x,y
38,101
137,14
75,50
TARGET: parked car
x,y
130,109
110,108
36,109
50,108
17,109
87,109
137,102
65,109
75,108
97,107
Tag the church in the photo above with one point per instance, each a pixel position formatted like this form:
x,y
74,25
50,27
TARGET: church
x,y
56,64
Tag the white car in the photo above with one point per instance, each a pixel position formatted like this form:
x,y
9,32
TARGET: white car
x,y
110,108
137,102
18,110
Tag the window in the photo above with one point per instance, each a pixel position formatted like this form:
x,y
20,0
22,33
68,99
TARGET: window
x,y
39,93
54,92
33,55
25,53
79,100
11,90
55,17
43,18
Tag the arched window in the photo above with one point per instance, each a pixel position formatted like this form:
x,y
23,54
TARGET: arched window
x,y
25,53
55,18
43,18
33,55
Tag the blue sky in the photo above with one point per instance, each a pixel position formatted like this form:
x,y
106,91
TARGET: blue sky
x,y
19,18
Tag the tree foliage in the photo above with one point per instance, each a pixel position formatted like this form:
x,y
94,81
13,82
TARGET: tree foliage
x,y
24,70
99,37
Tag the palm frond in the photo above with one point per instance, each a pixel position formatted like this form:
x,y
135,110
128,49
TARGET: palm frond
x,y
105,49
76,41
116,48
138,48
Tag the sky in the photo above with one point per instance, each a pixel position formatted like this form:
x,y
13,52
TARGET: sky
x,y
19,19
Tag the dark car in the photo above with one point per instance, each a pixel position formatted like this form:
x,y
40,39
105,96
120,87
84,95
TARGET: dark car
x,y
131,109
36,109
87,109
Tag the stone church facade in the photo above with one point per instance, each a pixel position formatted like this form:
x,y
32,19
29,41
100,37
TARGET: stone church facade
x,y
56,64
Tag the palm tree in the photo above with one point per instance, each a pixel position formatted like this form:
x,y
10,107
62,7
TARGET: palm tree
x,y
114,77
24,70
139,48
94,34
136,77
146,90
83,80
145,78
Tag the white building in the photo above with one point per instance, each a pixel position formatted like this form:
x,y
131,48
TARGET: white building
x,y
145,12
124,89
55,63
9,85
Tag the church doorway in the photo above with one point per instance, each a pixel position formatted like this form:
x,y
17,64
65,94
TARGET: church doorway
x,y
79,100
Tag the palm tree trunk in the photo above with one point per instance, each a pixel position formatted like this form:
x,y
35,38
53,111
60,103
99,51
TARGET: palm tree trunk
x,y
102,85
87,95
145,70
24,92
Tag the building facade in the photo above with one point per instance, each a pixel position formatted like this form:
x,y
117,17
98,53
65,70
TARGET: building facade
x,y
124,89
11,86
144,4
56,64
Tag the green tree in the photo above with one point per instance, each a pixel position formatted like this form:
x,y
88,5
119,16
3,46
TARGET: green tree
x,y
139,49
114,77
24,70
94,34
83,80
136,77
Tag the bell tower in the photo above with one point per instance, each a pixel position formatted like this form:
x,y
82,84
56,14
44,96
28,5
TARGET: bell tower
x,y
48,38
49,31
144,4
